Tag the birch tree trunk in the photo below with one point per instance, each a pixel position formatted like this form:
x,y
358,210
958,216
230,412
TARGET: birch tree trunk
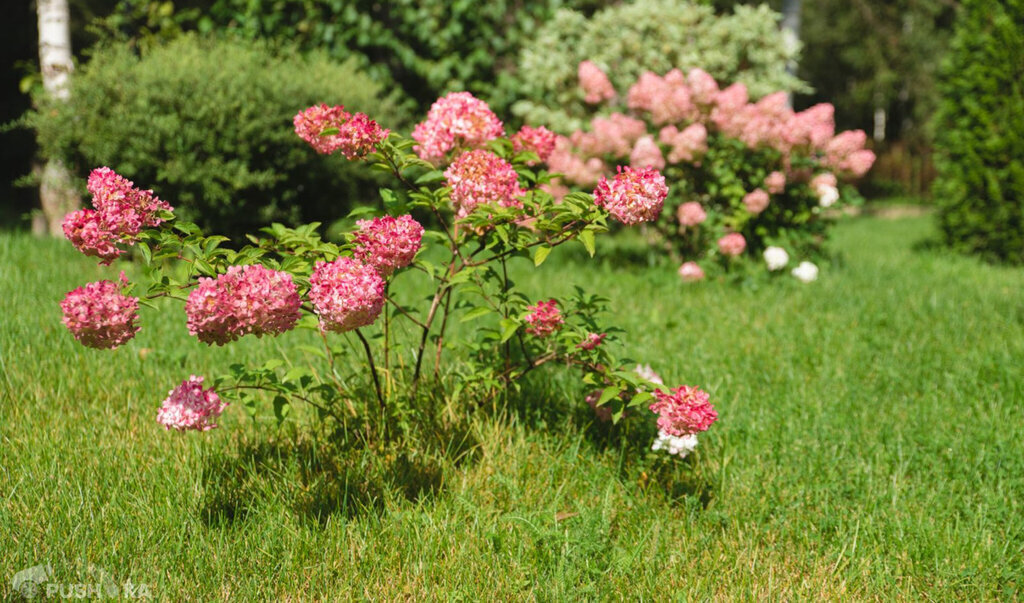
x,y
791,37
57,193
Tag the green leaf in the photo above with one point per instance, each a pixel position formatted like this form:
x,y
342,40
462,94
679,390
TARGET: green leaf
x,y
475,313
508,329
541,254
281,408
587,238
147,254
640,398
609,393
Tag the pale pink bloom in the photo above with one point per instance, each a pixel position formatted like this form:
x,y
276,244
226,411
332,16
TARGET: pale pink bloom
x,y
704,88
574,167
540,140
688,145
677,445
544,318
812,127
356,136
667,99
645,371
556,189
595,83
732,244
756,201
592,341
246,300
691,271
190,407
346,294
775,182
825,179
859,162
728,104
388,243
685,410
633,196
691,213
457,120
480,177
646,153
612,135
99,315
846,153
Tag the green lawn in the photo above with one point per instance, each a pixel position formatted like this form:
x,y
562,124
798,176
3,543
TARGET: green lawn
x,y
870,445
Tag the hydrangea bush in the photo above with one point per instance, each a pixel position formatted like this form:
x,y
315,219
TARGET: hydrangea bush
x,y
471,200
749,179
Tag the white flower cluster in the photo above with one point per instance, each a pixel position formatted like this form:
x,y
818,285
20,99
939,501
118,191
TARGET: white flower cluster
x,y
806,272
776,258
680,445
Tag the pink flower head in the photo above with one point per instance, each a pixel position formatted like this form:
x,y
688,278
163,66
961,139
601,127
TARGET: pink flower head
x,y
88,233
728,104
189,406
356,136
684,411
544,318
99,315
813,127
688,145
646,153
388,243
246,300
481,177
668,99
691,213
595,83
846,153
458,119
756,201
592,341
612,135
346,294
704,88
691,271
540,140
775,182
572,166
634,196
823,180
859,162
732,244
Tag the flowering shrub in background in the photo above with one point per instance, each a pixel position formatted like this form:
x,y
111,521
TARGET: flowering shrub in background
x,y
746,177
486,205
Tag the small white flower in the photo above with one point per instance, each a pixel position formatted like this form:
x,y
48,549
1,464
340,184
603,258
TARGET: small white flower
x,y
648,373
681,445
776,258
806,272
827,195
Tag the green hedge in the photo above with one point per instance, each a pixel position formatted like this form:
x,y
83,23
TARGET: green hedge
x,y
208,125
980,132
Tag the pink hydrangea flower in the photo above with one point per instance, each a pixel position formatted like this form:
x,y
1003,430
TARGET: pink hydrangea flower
x,y
691,271
859,162
592,341
775,182
540,140
756,201
668,99
357,134
703,86
732,244
576,169
846,153
544,318
99,315
190,407
691,213
595,83
646,153
458,119
825,179
346,294
633,196
388,243
612,135
246,300
89,234
481,177
683,411
688,145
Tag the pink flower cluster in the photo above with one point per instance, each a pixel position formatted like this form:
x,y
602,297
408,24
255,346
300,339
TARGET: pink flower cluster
x,y
121,213
732,244
190,407
99,315
846,153
595,83
756,201
575,168
592,341
646,154
688,145
480,177
458,120
683,411
540,140
775,182
346,294
388,243
691,213
691,271
633,196
246,300
544,318
612,135
356,136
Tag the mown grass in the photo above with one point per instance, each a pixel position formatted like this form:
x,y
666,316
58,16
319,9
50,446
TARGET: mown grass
x,y
870,446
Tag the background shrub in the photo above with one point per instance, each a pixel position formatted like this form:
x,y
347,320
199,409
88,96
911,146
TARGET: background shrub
x,y
207,124
980,132
648,35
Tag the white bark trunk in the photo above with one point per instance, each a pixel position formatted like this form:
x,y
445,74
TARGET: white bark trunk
x,y
57,193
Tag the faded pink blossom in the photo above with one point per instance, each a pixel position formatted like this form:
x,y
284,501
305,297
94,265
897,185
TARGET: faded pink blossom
x,y
356,136
544,318
633,196
457,120
668,99
703,87
612,135
592,341
100,316
89,234
480,177
574,167
595,83
691,271
246,300
685,410
388,243
691,213
646,153
688,145
775,182
756,201
540,140
859,162
732,244
346,294
825,179
190,407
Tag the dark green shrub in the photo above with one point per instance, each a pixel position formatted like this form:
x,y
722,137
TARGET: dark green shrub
x,y
208,125
980,132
